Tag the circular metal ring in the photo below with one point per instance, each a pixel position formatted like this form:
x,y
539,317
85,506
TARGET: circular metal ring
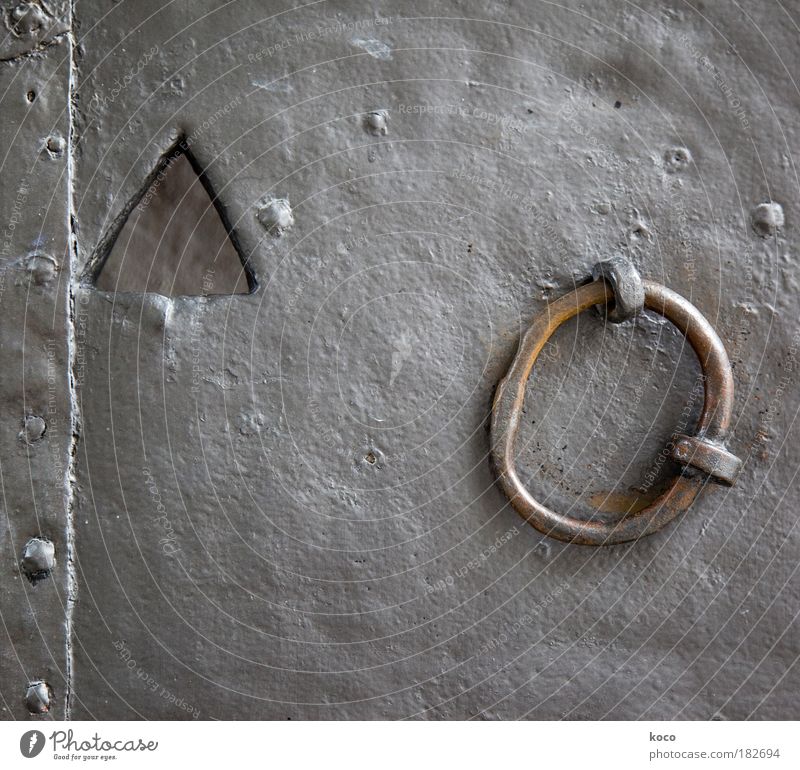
x,y
702,455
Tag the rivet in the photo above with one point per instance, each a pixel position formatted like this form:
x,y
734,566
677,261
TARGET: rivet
x,y
27,19
372,457
42,268
38,697
767,218
677,159
376,122
33,428
276,215
38,559
249,424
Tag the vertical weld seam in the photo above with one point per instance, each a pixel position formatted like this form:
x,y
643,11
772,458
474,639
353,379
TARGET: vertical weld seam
x,y
70,481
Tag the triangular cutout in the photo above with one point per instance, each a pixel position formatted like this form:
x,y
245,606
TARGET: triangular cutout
x,y
173,238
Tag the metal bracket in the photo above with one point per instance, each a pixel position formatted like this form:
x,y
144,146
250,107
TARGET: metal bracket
x,y
704,451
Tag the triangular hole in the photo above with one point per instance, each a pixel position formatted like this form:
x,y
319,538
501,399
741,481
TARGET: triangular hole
x,y
173,239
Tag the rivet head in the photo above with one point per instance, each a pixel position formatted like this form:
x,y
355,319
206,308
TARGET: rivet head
x,y
767,218
376,122
31,743
38,268
276,215
38,697
33,428
38,559
677,159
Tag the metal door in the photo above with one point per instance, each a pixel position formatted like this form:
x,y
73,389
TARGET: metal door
x,y
279,504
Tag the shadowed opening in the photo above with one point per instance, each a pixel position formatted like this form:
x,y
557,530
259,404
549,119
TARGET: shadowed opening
x,y
173,239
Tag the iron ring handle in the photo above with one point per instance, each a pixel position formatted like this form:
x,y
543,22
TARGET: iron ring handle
x,y
703,455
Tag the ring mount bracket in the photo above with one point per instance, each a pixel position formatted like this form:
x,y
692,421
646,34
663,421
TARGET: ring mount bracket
x,y
704,452
711,458
626,283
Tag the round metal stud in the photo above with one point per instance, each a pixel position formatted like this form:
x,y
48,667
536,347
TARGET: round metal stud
x,y
38,697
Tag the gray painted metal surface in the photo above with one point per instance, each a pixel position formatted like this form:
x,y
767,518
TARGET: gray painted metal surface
x,y
282,502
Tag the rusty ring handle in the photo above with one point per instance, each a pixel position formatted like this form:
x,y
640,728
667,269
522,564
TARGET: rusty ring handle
x,y
703,455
